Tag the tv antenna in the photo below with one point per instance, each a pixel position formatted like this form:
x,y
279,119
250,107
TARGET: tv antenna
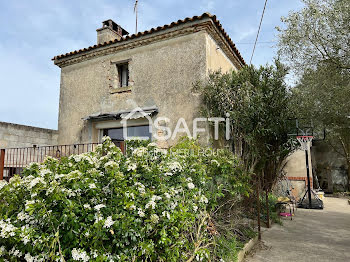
x,y
135,11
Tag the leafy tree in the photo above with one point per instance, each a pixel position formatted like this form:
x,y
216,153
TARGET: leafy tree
x,y
317,34
315,43
323,95
256,100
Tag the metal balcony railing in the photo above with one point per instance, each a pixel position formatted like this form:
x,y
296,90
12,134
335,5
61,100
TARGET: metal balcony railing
x,y
13,160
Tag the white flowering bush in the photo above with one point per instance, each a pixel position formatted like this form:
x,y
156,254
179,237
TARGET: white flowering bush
x,y
104,206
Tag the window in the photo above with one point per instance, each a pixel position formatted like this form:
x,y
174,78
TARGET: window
x,y
123,72
116,134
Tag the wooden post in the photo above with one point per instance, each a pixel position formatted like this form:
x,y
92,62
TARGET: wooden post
x,y
267,209
258,206
2,163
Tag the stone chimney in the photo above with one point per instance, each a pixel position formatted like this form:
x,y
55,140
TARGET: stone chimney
x,y
109,32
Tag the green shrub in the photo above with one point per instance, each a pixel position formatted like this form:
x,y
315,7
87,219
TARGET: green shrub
x,y
273,199
104,206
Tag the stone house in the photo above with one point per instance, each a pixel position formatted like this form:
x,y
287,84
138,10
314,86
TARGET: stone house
x,y
153,70
102,85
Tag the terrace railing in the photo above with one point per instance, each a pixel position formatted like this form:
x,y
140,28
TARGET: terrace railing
x,y
13,160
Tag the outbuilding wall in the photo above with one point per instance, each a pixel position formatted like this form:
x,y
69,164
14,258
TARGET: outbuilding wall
x,y
14,135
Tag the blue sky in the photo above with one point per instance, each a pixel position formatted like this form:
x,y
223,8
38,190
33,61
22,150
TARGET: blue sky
x,y
32,32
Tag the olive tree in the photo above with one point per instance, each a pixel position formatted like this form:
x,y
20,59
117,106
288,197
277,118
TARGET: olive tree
x,y
256,100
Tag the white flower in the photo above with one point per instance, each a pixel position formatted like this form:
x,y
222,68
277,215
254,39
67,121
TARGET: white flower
x,y
166,214
44,172
195,208
80,254
98,218
190,185
154,218
28,203
36,181
173,205
2,250
87,206
98,207
203,199
141,188
58,176
175,166
152,144
140,213
108,222
129,195
77,158
25,239
152,204
22,216
94,253
132,207
106,138
132,167
168,174
28,257
92,185
2,183
140,151
111,165
167,195
156,198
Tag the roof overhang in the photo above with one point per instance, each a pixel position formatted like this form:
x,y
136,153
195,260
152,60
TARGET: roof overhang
x,y
123,114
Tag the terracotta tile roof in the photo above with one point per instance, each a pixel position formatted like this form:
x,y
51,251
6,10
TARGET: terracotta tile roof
x,y
160,28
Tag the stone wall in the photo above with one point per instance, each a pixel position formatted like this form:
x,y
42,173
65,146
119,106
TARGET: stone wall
x,y
14,135
161,74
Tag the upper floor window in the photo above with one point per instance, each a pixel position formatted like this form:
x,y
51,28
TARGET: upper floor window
x,y
123,72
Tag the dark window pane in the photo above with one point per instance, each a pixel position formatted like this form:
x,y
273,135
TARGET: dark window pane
x,y
139,131
115,134
133,131
123,71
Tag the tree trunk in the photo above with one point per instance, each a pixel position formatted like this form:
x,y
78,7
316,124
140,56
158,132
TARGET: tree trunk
x,y
267,209
258,207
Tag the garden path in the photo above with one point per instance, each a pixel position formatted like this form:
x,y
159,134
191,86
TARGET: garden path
x,y
313,235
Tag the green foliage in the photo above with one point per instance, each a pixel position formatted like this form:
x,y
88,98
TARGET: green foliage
x,y
256,100
103,206
315,42
228,247
272,200
317,35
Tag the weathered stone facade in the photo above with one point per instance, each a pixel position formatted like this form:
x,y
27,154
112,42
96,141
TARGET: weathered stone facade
x,y
14,135
163,67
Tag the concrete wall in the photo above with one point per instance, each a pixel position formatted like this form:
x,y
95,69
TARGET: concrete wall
x,y
13,135
330,167
295,170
